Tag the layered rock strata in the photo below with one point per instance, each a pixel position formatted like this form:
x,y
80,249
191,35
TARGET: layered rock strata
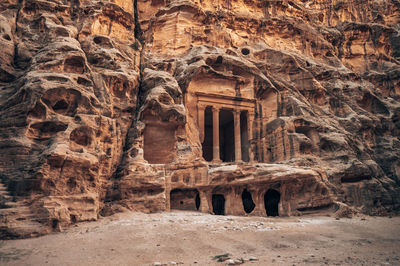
x,y
229,107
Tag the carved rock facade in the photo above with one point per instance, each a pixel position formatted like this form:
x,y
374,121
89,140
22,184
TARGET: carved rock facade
x,y
229,107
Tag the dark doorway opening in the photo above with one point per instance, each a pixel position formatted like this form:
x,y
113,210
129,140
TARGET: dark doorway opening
x,y
185,199
207,144
197,201
271,202
248,203
244,136
218,203
226,136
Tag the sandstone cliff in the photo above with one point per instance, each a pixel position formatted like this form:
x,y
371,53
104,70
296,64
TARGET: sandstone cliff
x,y
114,105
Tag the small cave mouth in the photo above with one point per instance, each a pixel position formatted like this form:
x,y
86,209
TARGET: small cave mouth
x,y
60,105
219,60
54,223
7,37
245,51
73,218
247,200
218,204
271,201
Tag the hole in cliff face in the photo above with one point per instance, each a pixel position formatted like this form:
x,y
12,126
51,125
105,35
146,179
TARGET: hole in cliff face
x,y
103,41
60,105
218,204
84,81
62,101
46,129
245,51
219,60
73,218
159,143
82,136
271,202
74,64
329,54
185,199
7,37
54,223
247,200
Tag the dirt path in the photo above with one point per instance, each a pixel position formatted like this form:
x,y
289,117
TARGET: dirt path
x,y
194,239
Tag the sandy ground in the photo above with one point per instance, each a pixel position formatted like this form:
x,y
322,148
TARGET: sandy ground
x,y
194,238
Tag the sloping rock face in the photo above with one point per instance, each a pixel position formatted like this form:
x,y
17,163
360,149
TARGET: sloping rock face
x,y
230,107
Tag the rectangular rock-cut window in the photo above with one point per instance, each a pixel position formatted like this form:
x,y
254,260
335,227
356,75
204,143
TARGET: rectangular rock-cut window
x,y
159,143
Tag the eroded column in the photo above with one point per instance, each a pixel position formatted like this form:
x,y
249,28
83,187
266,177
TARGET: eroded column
x,y
216,156
238,145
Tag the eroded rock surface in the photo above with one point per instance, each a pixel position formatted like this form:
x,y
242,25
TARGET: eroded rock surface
x,y
114,105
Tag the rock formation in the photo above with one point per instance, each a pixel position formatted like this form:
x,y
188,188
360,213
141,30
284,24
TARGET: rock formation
x,y
228,107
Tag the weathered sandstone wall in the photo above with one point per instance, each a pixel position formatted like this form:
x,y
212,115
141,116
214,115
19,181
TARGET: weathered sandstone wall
x,y
111,105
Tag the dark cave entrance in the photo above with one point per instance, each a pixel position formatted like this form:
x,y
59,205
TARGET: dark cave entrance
x,y
207,144
185,199
226,136
271,202
218,204
247,200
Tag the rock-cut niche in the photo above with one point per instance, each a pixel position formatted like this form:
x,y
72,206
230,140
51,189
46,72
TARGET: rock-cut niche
x,y
185,199
247,200
218,204
159,143
271,202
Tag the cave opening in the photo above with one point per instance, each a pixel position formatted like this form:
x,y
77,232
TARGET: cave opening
x,y
218,204
185,199
207,144
247,200
226,136
271,202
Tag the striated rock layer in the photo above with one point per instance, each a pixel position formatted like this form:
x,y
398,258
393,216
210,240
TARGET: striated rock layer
x,y
230,107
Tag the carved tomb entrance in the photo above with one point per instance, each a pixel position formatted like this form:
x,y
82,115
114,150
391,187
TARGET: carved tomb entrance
x,y
271,202
225,127
247,200
218,204
185,199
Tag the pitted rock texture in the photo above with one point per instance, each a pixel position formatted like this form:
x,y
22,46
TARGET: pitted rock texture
x,y
108,105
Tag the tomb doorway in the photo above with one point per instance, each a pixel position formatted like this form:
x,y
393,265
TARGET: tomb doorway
x,y
218,204
247,200
271,202
185,199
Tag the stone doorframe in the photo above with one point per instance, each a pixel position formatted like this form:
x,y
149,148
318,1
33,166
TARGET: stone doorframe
x,y
234,104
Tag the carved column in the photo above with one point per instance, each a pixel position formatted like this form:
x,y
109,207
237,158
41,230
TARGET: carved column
x,y
238,146
250,119
204,206
216,156
200,117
